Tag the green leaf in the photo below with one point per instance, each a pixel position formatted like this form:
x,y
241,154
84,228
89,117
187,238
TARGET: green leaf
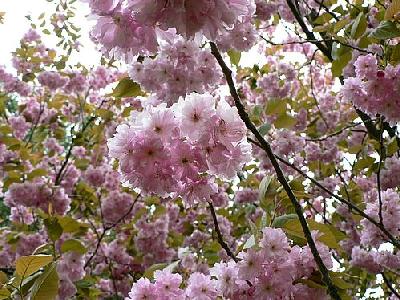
x,y
363,163
54,229
392,10
340,25
28,283
69,224
263,129
263,187
46,286
43,249
328,235
234,57
323,19
105,113
149,273
3,277
251,241
73,245
36,173
280,221
385,30
276,106
126,88
339,282
339,64
359,26
4,293
27,265
285,121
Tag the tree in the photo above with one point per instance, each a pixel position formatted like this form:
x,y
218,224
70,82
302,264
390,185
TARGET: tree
x,y
193,175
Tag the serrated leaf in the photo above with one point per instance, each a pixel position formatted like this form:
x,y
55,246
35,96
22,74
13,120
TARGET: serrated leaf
x,y
36,173
339,64
385,30
73,245
42,249
126,88
46,286
4,293
280,221
327,236
263,187
69,224
251,241
340,25
149,273
285,121
54,229
323,19
339,282
263,129
359,26
393,10
27,265
3,277
276,106
234,57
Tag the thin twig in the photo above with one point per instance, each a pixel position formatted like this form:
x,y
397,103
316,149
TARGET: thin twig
x,y
378,175
219,234
106,229
389,285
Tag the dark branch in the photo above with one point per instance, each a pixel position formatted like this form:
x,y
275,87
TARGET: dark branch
x,y
332,290
390,286
219,234
106,229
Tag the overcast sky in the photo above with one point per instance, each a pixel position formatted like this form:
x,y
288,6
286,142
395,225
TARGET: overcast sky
x,y
15,25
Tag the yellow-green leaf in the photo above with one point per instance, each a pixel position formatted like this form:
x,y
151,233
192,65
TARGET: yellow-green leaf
x,y
69,224
285,121
127,88
393,10
27,265
73,245
46,286
4,293
36,173
234,57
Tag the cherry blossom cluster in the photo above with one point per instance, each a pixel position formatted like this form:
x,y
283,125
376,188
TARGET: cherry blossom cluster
x,y
169,151
70,269
365,246
388,209
374,90
280,82
243,35
270,271
125,28
180,68
30,194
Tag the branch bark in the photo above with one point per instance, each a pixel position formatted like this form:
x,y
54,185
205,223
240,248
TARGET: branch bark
x,y
219,234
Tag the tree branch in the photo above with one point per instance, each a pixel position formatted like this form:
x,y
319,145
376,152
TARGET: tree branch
x,y
389,285
106,229
332,290
219,234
